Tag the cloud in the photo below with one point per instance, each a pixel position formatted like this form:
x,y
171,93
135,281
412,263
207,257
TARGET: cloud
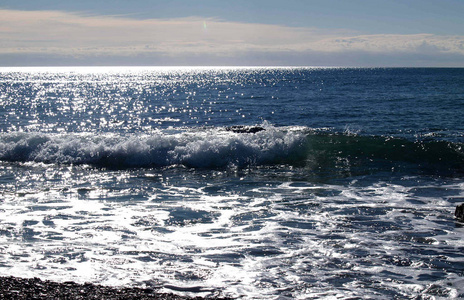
x,y
395,43
80,37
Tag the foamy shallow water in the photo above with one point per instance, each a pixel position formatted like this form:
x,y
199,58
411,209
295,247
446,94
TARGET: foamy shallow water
x,y
236,232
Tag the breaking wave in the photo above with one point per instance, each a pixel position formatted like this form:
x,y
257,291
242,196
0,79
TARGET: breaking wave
x,y
223,147
198,148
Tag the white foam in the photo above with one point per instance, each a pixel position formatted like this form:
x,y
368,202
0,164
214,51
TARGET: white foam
x,y
254,237
194,148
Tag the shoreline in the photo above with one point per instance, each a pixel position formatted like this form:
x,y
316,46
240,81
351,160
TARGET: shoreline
x,y
34,288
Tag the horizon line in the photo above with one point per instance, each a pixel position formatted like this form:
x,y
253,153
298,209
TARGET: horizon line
x,y
228,67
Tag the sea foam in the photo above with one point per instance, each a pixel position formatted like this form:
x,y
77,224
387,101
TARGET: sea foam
x,y
201,148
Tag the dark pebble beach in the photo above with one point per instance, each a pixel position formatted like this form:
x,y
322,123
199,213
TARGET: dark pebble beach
x,y
35,288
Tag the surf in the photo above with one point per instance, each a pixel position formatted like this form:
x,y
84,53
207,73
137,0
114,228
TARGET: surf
x,y
196,148
239,146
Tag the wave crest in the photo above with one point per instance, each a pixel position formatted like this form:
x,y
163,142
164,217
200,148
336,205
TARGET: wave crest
x,y
316,151
211,148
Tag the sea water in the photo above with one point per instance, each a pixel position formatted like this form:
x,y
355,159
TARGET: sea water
x,y
262,183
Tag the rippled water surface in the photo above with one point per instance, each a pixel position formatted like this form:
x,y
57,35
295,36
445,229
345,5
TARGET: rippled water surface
x,y
135,177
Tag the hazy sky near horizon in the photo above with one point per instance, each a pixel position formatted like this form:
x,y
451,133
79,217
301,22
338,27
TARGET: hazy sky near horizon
x,y
182,32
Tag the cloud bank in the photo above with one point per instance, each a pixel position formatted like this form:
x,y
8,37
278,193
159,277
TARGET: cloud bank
x,y
63,38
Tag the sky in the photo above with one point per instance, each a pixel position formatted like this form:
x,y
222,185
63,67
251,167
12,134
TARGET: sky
x,y
354,33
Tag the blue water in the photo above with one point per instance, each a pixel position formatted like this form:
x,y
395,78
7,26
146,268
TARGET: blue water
x,y
345,187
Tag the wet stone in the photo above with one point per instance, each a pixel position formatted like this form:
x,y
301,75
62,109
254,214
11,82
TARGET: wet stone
x,y
35,288
459,212
244,129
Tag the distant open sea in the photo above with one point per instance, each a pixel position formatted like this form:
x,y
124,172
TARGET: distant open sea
x,y
261,183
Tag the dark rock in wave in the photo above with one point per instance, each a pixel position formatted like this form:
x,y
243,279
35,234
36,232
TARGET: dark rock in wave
x,y
245,129
34,288
459,212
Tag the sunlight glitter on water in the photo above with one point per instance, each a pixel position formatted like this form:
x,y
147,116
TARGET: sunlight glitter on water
x,y
252,239
256,182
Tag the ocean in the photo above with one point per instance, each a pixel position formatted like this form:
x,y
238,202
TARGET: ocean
x,y
255,183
